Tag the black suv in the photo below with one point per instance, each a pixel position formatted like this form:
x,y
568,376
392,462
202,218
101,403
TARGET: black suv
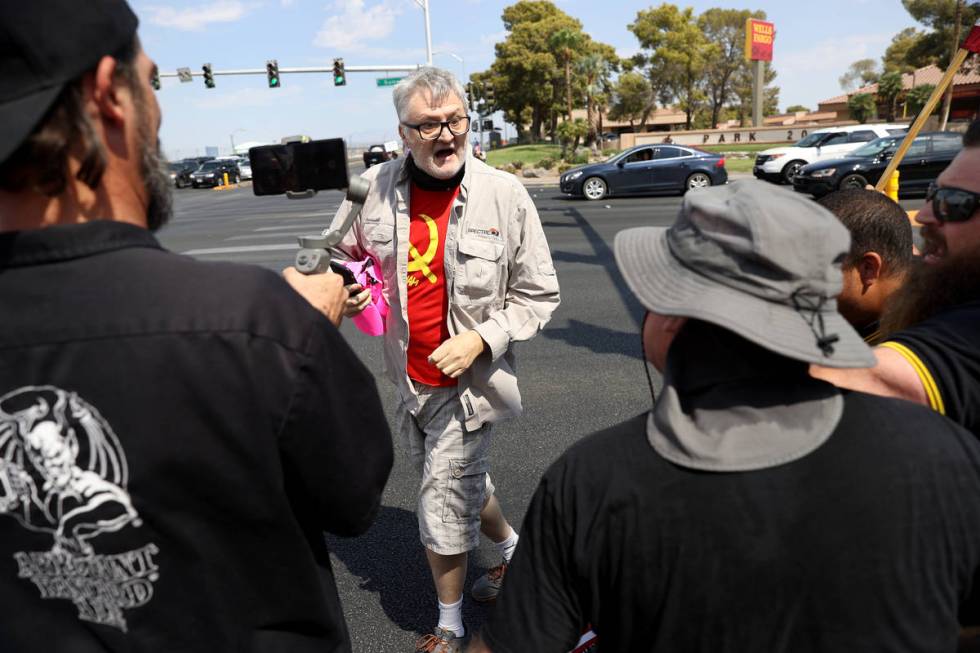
x,y
211,173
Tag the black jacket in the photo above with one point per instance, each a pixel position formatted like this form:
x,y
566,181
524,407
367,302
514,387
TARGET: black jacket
x,y
175,436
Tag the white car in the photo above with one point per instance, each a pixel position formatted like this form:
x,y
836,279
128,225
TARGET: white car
x,y
781,164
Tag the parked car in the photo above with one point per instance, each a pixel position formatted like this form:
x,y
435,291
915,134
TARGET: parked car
x,y
211,173
780,164
379,154
242,163
928,155
180,173
646,169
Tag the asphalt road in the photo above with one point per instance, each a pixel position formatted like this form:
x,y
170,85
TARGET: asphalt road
x,y
582,373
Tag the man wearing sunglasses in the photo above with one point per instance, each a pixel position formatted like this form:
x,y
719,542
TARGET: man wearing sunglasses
x,y
467,271
931,352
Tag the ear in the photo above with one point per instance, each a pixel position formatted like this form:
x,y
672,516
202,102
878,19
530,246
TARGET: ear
x,y
401,132
869,267
105,91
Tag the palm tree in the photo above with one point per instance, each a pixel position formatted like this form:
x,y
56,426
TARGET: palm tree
x,y
566,43
595,71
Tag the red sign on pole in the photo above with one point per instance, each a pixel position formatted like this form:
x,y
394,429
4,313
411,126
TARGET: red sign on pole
x,y
972,42
759,36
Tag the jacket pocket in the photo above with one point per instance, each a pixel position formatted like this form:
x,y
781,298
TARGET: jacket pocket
x,y
480,266
466,490
380,237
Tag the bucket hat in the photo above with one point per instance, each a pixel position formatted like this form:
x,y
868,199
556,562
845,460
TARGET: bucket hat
x,y
753,258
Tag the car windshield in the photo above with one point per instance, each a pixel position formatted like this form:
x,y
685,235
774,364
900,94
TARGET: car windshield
x,y
812,140
211,165
875,147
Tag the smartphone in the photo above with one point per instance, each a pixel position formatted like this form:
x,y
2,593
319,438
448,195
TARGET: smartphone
x,y
299,167
343,271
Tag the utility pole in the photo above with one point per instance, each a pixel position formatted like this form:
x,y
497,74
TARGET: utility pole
x,y
428,33
948,98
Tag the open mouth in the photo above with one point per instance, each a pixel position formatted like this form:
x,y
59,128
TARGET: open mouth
x,y
933,246
442,154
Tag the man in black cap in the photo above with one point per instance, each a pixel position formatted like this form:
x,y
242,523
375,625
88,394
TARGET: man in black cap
x,y
175,436
754,508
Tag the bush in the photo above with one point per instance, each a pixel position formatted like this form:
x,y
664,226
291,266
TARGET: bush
x,y
580,157
564,167
518,164
547,164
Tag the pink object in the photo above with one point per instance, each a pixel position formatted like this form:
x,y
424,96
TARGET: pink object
x,y
372,319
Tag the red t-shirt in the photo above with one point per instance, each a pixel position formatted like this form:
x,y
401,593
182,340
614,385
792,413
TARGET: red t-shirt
x,y
428,303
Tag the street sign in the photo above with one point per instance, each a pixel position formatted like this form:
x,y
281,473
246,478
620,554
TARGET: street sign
x,y
184,74
389,81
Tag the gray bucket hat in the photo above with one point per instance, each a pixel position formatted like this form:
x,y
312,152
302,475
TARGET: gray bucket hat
x,y
753,258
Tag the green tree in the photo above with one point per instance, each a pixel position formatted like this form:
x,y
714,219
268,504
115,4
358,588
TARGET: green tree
x,y
567,43
632,99
794,108
677,54
861,106
861,73
569,134
902,55
917,97
595,71
725,30
889,88
937,45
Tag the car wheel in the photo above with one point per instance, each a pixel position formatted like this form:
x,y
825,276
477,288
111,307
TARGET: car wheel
x,y
853,181
791,170
697,180
594,188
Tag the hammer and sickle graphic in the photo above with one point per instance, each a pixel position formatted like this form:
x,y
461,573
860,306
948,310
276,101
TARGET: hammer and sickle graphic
x,y
420,262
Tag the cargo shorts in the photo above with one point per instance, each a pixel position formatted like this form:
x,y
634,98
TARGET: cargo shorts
x,y
453,464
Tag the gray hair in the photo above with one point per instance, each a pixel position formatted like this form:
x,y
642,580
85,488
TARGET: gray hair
x,y
438,82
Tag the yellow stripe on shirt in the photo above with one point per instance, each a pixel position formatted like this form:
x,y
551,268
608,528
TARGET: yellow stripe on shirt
x,y
925,376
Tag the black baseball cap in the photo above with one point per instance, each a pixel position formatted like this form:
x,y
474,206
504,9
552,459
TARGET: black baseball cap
x,y
45,44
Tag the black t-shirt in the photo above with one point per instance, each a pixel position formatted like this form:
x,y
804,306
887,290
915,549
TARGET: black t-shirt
x,y
175,437
945,351
870,543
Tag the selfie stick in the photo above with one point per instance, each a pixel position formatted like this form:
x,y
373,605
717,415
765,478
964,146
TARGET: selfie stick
x,y
313,256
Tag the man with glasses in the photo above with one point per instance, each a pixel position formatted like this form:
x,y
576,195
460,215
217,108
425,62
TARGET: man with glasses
x,y
467,271
931,353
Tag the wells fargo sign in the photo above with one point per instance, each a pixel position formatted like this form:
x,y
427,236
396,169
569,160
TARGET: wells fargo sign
x,y
759,36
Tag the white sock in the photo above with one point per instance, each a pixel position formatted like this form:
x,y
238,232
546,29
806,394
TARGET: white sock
x,y
451,617
507,547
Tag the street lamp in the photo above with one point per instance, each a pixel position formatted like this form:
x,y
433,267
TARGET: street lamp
x,y
424,4
462,64
232,137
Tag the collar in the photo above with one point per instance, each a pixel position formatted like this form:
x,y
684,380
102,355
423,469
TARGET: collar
x,y
404,178
65,242
730,405
425,181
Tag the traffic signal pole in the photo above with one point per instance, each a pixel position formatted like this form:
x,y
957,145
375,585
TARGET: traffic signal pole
x,y
317,69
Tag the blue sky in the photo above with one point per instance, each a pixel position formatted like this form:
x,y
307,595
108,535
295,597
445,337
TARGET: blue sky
x,y
815,42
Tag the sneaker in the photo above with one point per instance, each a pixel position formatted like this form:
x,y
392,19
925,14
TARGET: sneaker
x,y
487,586
441,640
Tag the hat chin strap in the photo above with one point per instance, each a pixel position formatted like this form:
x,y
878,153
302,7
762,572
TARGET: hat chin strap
x,y
646,363
808,301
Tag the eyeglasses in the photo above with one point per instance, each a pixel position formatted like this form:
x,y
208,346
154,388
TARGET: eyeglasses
x,y
952,204
430,131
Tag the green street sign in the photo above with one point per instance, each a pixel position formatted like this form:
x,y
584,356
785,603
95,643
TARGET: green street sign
x,y
389,81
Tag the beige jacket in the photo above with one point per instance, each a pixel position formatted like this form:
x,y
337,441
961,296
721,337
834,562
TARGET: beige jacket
x,y
499,277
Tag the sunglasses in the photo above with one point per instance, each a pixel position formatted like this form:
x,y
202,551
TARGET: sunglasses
x,y
952,204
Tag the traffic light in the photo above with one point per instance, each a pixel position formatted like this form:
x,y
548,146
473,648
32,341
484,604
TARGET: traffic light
x,y
155,79
488,92
272,72
208,76
339,76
